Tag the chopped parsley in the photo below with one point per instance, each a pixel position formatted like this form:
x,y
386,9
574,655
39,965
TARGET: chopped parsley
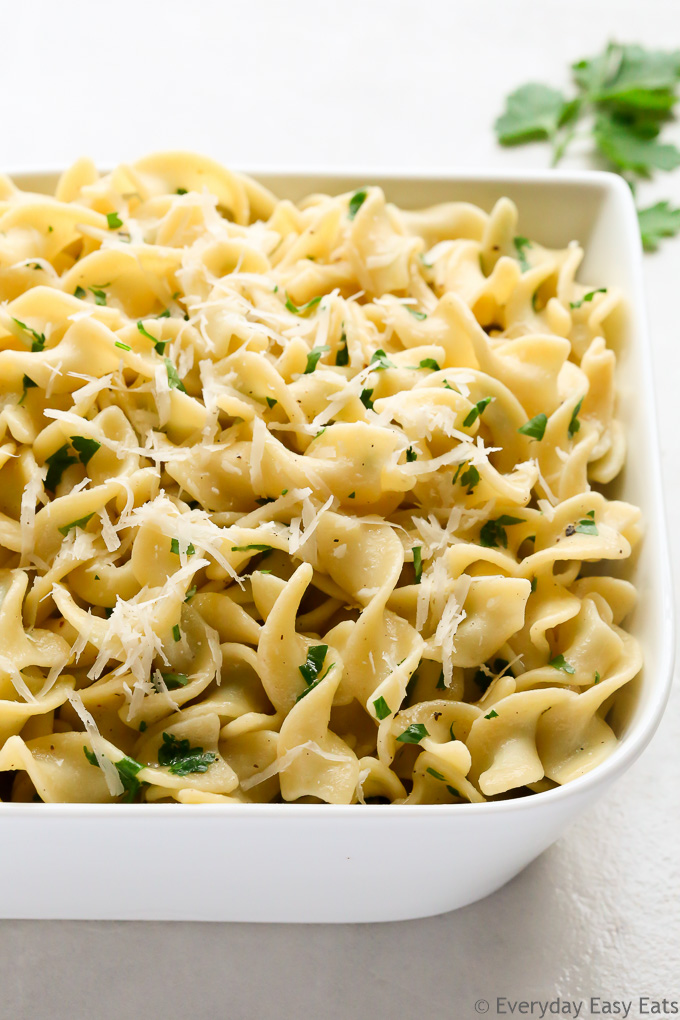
x,y
303,309
587,526
175,680
415,313
365,399
535,427
534,582
475,411
352,495
574,425
174,547
597,677
176,633
28,385
313,358
80,523
57,464
114,221
127,771
99,295
174,380
470,478
435,774
411,455
182,758
356,202
85,448
256,548
429,363
342,353
453,791
493,534
190,593
39,341
441,686
587,297
418,562
559,662
382,709
80,293
521,243
414,734
159,345
311,669
142,726
271,402
123,347
492,715
381,361
181,191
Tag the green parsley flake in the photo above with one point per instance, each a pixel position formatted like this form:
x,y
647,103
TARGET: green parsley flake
x,y
430,363
559,662
38,338
190,593
342,354
313,358
587,526
174,547
597,677
476,411
114,221
492,715
380,361
521,243
271,402
174,380
411,455
356,202
535,427
99,295
127,771
159,345
413,735
123,347
574,425
28,384
493,534
365,399
182,758
303,309
470,478
57,464
254,547
175,680
80,293
418,562
85,448
587,297
435,774
312,667
176,633
415,313
382,709
80,523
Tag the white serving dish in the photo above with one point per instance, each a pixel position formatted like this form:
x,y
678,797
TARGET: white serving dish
x,y
374,863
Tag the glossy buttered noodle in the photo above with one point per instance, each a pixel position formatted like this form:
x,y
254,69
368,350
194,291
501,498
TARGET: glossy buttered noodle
x,y
296,499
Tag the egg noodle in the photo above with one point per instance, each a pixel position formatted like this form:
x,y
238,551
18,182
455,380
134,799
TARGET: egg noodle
x,y
295,499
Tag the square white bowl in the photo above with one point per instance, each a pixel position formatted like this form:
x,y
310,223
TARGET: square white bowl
x,y
311,863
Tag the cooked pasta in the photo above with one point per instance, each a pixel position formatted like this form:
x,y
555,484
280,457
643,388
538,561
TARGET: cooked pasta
x,y
296,500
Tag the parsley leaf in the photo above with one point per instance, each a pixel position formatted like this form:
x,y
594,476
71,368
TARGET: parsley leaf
x,y
587,297
176,633
418,562
159,345
127,771
381,361
174,547
476,410
311,668
99,295
587,526
175,680
492,535
532,112
181,191
356,202
174,380
313,358
429,363
520,244
559,662
365,399
85,448
493,714
627,150
80,523
271,402
435,774
535,427
114,221
415,313
257,548
413,735
411,455
342,354
80,293
303,308
574,425
382,709
57,464
28,385
182,758
38,338
470,478
658,221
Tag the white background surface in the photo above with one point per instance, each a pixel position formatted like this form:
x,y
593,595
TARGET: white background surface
x,y
373,83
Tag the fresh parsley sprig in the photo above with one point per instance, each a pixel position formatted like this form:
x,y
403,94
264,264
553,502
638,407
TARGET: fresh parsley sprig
x,y
624,98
